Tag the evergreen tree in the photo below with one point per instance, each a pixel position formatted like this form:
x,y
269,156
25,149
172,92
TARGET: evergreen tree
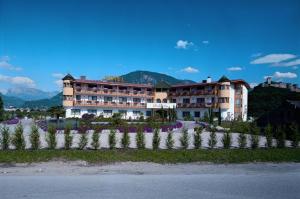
x,y
156,139
83,141
226,140
170,140
18,140
5,139
112,139
125,139
51,137
68,137
280,138
95,140
295,135
184,139
269,136
197,137
35,137
140,138
254,130
213,138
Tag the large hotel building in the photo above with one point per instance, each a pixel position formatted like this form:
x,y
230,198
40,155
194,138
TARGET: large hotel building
x,y
81,96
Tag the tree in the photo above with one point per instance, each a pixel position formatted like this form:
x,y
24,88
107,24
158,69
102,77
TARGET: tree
x,y
35,138
5,138
18,140
184,139
140,138
83,141
212,138
51,137
170,140
125,139
242,140
68,137
269,136
112,139
56,111
197,137
156,139
1,109
226,140
95,140
254,131
280,138
294,135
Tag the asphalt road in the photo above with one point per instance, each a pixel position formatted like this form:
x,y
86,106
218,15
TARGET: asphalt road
x,y
217,185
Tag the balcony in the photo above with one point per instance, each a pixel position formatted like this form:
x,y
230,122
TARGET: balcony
x,y
111,104
114,92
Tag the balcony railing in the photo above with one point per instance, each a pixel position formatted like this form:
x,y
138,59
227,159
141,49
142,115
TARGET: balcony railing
x,y
114,92
196,105
192,93
110,104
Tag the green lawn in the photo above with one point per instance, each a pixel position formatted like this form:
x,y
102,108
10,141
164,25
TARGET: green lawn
x,y
160,156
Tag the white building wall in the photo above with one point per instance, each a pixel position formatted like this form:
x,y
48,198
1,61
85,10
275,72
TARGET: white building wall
x,y
245,103
231,101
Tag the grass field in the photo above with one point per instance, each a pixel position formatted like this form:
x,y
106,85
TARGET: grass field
x,y
160,156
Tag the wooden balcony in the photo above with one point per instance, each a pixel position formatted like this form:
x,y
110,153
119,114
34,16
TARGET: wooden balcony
x,y
196,105
109,104
114,92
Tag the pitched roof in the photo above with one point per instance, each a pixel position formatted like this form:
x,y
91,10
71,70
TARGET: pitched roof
x,y
224,79
68,77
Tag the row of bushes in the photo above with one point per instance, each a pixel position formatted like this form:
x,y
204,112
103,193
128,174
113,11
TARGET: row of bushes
x,y
18,141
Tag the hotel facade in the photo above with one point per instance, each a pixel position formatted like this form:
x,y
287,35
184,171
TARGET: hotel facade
x,y
103,98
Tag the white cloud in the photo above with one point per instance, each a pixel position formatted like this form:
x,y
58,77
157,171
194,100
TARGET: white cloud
x,y
234,69
205,42
288,75
253,84
4,63
256,55
272,58
289,63
59,83
3,91
18,80
182,44
58,75
190,69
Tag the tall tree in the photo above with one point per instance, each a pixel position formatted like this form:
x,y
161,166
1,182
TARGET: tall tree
x,y
1,109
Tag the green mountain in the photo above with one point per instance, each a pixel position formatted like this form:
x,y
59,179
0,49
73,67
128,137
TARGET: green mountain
x,y
44,103
11,101
263,100
147,77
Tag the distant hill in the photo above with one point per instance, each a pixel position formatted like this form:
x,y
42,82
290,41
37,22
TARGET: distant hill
x,y
44,103
263,100
28,94
147,77
12,101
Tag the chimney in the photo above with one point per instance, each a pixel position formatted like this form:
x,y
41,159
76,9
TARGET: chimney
x,y
83,77
208,79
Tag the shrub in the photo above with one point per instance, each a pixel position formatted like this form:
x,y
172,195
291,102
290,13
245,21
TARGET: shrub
x,y
280,138
125,139
212,138
294,135
254,130
184,139
5,138
95,140
35,137
170,140
226,140
18,140
112,139
156,139
197,137
140,138
242,140
68,137
269,136
83,141
51,137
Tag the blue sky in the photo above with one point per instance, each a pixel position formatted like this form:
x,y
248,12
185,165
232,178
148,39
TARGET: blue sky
x,y
41,40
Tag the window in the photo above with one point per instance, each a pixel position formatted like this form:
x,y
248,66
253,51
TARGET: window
x,y
136,100
148,113
78,97
92,111
238,101
107,112
149,100
75,111
136,113
223,100
200,100
123,112
185,114
158,101
107,99
94,98
173,100
165,100
197,114
123,99
186,100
